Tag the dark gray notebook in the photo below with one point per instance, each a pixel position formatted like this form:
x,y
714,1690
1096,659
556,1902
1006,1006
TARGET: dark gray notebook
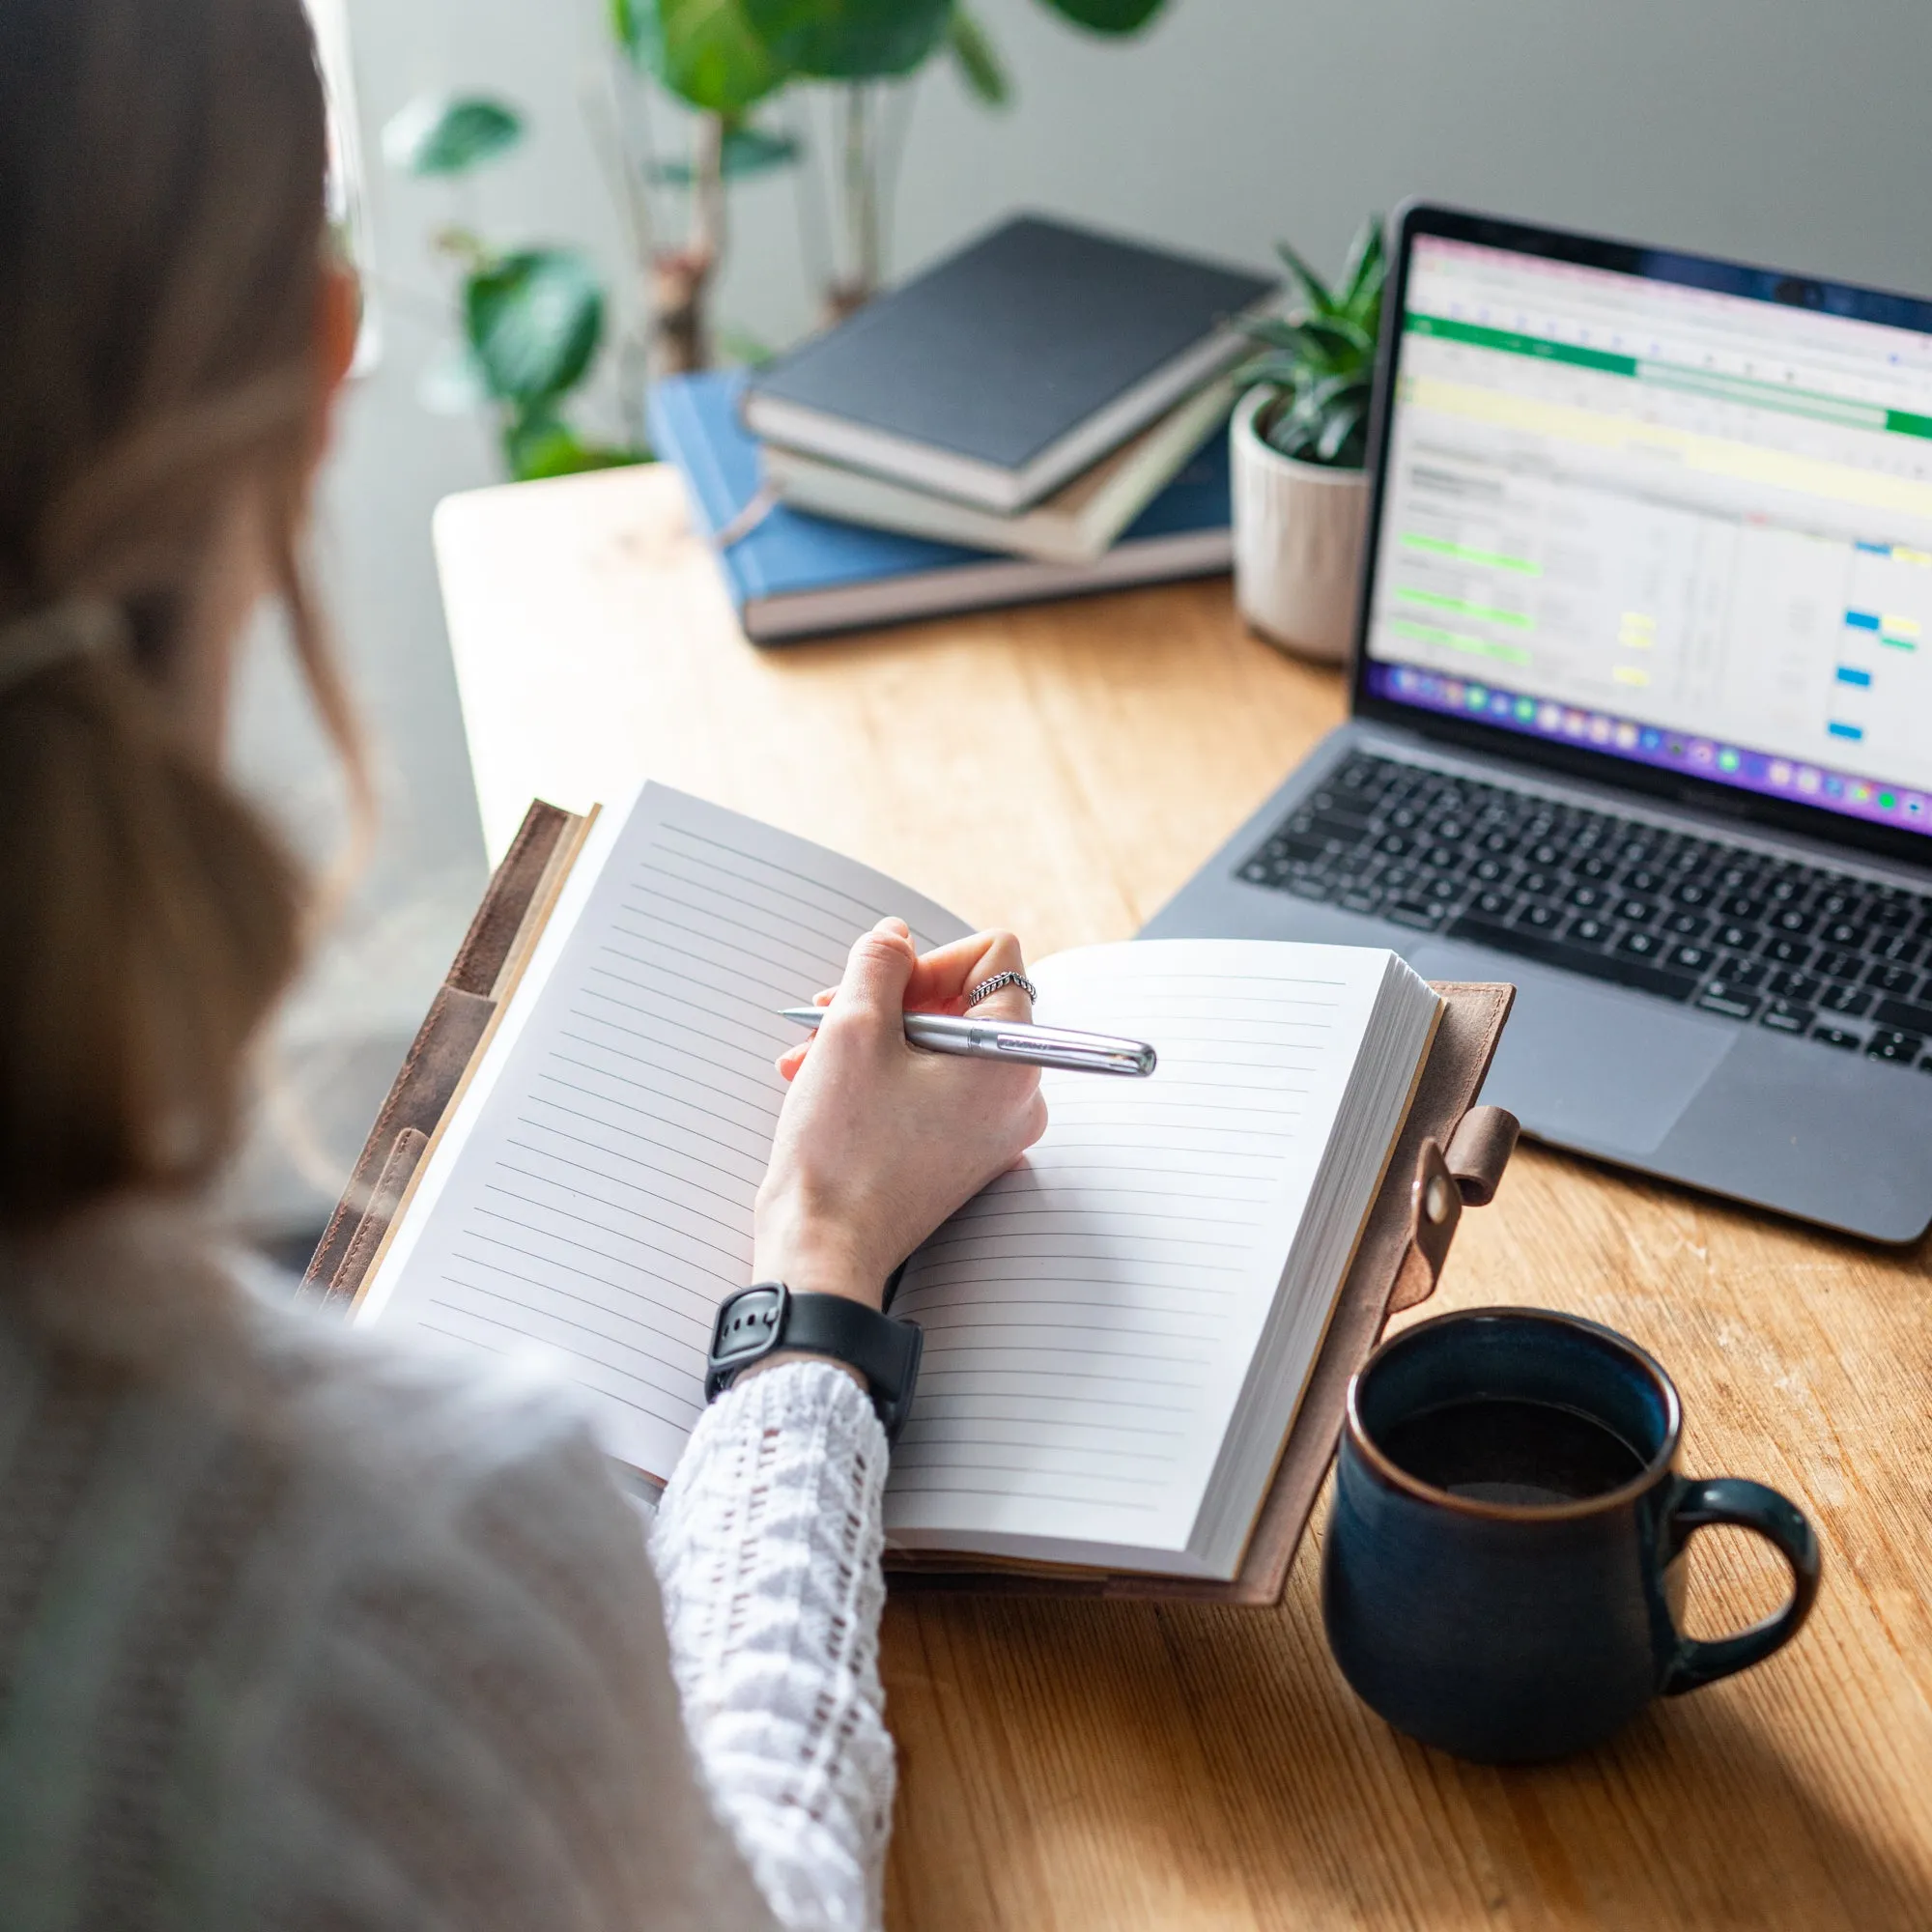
x,y
1011,366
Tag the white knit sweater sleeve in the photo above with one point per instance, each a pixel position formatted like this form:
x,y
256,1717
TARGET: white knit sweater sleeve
x,y
767,1547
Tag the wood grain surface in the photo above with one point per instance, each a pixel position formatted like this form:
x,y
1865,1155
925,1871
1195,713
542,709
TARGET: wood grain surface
x,y
1061,770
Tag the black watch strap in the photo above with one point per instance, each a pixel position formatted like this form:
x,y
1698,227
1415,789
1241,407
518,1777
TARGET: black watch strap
x,y
757,1321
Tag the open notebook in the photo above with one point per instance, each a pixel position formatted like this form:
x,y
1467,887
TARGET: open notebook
x,y
1117,1332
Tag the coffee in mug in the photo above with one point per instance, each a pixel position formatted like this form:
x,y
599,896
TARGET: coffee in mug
x,y
1502,1575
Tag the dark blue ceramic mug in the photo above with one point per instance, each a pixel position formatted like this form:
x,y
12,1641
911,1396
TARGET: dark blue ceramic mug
x,y
1502,1576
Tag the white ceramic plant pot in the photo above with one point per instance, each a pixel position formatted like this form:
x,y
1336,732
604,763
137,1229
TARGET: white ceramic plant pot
x,y
1297,542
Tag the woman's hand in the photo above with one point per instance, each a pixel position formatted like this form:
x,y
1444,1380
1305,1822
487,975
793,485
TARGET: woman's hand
x,y
879,1142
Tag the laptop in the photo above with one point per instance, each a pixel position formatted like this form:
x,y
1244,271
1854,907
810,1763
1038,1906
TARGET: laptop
x,y
1641,710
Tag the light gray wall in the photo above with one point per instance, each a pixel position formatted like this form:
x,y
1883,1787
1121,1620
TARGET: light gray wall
x,y
1771,130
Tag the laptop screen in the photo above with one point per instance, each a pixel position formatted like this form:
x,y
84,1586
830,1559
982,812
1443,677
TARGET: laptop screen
x,y
1666,511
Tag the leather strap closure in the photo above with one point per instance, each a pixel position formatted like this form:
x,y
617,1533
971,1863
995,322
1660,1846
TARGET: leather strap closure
x,y
1467,1174
1478,1152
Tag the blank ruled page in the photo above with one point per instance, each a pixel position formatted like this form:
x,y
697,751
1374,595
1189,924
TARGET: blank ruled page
x,y
1090,1317
591,1200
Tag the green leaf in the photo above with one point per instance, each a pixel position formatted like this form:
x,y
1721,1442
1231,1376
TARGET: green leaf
x,y
450,135
1275,372
706,52
1329,393
1321,353
533,321
541,445
1289,430
755,151
1366,268
627,26
746,152
1275,331
977,61
1320,346
849,39
1314,290
1342,342
1337,427
1108,16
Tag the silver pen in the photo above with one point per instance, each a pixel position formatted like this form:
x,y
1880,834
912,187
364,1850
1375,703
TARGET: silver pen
x,y
1014,1039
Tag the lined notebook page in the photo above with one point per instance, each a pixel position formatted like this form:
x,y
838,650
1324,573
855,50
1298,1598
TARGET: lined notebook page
x,y
591,1201
1090,1317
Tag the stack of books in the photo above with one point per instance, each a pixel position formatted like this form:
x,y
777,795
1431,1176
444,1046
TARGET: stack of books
x,y
1039,414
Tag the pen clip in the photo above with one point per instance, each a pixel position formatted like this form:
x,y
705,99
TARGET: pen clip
x,y
1082,1050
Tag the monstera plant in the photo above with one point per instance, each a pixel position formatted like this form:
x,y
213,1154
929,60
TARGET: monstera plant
x,y
726,58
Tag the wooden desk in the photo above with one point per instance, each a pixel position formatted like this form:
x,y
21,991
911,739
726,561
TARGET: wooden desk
x,y
1063,770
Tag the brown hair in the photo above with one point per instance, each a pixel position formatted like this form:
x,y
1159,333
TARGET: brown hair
x,y
162,168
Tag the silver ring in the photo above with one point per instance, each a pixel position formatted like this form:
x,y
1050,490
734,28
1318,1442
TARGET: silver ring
x,y
986,988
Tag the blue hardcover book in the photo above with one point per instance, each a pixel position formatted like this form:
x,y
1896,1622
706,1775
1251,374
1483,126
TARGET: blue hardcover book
x,y
793,574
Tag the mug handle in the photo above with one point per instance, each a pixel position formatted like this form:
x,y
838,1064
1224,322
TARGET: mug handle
x,y
1732,1499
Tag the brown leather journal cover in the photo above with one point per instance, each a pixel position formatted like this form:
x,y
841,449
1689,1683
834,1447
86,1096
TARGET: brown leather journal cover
x,y
1450,1154
438,1057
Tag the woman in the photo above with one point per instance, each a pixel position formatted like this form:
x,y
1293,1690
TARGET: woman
x,y
296,1632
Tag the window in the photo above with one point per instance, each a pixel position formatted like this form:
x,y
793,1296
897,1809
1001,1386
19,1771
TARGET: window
x,y
348,198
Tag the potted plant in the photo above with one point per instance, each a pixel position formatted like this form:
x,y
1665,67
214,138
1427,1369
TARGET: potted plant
x,y
1301,435
532,318
730,59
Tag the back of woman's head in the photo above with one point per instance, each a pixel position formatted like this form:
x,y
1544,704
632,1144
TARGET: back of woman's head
x,y
162,170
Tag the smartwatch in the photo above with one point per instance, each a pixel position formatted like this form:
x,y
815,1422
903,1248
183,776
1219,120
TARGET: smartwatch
x,y
766,1316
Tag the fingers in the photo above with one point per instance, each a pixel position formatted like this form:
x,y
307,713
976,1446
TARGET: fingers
x,y
937,983
878,971
943,978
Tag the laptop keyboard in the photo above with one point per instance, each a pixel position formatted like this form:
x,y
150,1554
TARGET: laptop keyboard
x,y
1759,939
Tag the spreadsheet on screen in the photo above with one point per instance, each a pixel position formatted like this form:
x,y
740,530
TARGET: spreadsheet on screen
x,y
1685,525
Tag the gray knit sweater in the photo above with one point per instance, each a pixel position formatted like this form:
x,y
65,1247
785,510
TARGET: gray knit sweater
x,y
301,1632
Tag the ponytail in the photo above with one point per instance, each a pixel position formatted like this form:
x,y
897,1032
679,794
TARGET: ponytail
x,y
148,923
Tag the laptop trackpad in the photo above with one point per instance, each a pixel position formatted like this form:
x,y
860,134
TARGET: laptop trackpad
x,y
1583,1066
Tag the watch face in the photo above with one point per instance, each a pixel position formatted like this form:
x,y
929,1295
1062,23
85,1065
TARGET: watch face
x,y
749,1325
